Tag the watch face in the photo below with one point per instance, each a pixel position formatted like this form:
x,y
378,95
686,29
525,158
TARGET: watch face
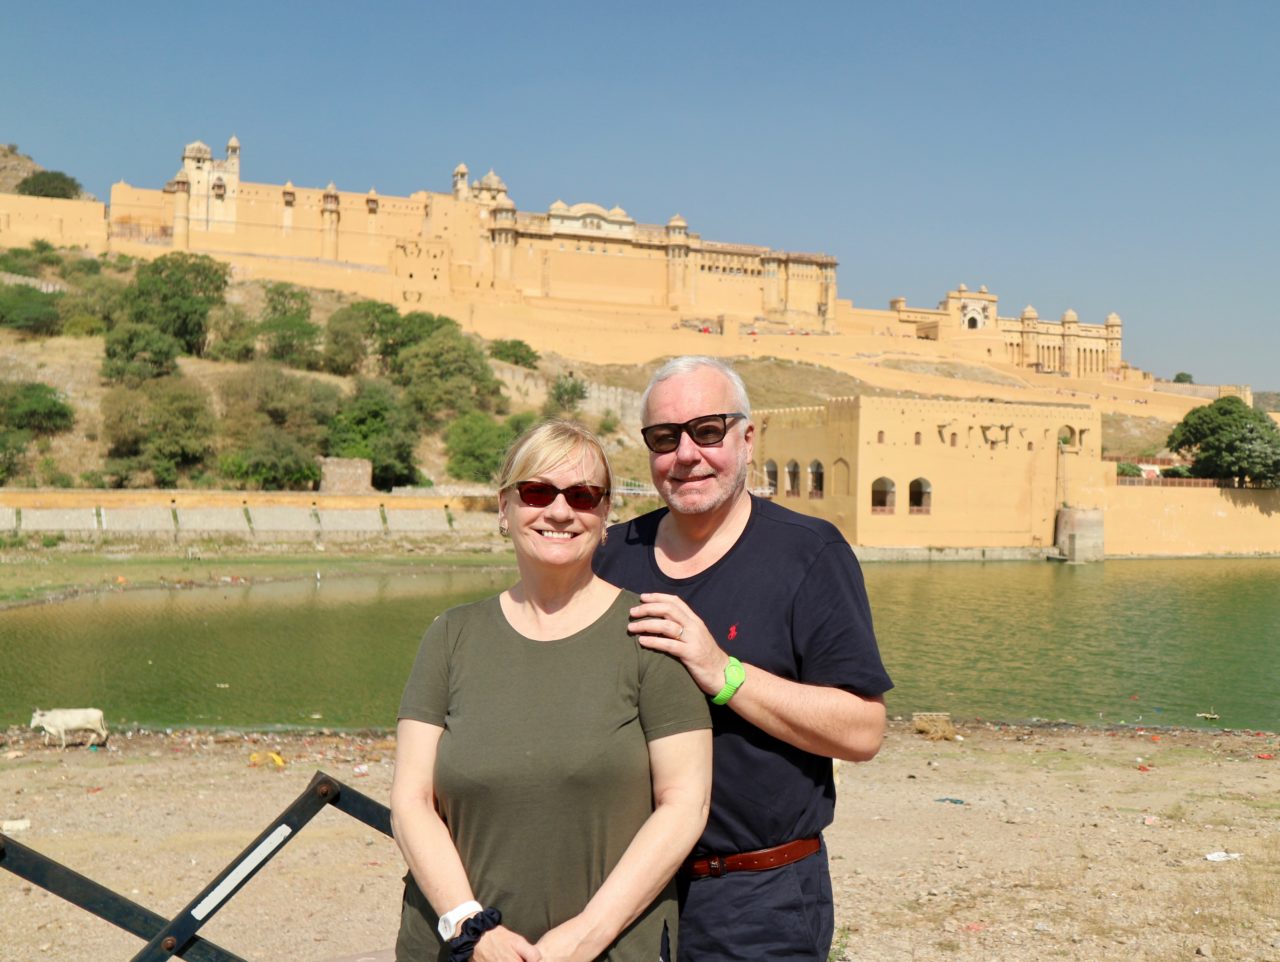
x,y
734,673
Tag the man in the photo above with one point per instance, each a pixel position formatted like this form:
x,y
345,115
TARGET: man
x,y
766,609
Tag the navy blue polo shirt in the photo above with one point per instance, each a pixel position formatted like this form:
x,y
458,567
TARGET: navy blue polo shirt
x,y
789,598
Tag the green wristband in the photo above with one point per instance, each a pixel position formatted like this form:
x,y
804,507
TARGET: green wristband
x,y
734,676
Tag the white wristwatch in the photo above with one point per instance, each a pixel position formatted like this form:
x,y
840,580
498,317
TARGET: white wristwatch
x,y
451,920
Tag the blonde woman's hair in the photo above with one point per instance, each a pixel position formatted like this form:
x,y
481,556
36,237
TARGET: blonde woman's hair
x,y
547,444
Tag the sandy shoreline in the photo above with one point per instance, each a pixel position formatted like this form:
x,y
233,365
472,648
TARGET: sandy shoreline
x,y
1012,843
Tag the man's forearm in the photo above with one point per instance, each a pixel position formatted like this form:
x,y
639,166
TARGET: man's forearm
x,y
815,718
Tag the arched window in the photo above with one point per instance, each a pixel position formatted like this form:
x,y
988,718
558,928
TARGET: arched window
x,y
793,480
815,479
840,478
879,437
953,439
1067,436
882,496
918,438
921,496
771,477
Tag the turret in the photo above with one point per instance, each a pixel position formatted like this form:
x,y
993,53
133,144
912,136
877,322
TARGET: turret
x,y
460,189
329,223
677,260
504,237
1115,340
181,189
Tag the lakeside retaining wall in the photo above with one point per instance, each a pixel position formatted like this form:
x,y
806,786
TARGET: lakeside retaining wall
x,y
1137,521
1172,522
262,517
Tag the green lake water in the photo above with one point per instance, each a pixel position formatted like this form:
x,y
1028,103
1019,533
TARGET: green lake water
x,y
1137,642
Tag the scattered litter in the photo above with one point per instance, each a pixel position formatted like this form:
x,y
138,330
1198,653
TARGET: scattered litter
x,y
1265,755
950,801
1222,856
934,725
360,770
94,790
1144,768
1207,715
261,758
315,716
1150,820
15,825
221,684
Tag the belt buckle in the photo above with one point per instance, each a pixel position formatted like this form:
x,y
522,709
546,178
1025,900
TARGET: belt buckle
x,y
715,866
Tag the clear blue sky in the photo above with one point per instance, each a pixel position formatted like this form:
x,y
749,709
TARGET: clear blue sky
x,y
1102,156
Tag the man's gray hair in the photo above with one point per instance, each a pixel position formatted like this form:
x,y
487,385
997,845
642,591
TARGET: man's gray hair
x,y
687,364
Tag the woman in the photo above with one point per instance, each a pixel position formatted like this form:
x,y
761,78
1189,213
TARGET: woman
x,y
547,765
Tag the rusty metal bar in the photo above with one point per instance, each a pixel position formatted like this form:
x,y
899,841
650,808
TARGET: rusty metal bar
x,y
101,901
177,936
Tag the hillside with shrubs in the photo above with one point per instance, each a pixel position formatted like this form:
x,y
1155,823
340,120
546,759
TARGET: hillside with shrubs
x,y
123,373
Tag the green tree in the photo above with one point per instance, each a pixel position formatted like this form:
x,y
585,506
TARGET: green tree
x,y
346,339
13,452
49,183
271,460
567,392
447,373
162,428
292,340
476,443
285,325
95,307
514,351
377,424
175,293
262,394
1126,469
1182,377
1229,439
139,352
34,407
395,334
28,310
232,335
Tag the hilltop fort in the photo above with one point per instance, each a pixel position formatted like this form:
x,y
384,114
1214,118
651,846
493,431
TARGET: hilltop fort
x,y
999,449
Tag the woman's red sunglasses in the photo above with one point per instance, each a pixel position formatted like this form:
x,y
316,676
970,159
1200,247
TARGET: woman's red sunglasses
x,y
580,497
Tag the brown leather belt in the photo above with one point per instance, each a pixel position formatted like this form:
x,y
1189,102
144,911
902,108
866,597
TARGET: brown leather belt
x,y
758,861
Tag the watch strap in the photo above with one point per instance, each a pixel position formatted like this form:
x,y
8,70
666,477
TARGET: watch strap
x,y
734,676
451,920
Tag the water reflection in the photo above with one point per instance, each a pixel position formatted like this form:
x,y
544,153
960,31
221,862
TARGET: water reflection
x,y
1150,642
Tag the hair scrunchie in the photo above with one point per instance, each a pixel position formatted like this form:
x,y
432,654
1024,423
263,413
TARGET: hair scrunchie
x,y
464,943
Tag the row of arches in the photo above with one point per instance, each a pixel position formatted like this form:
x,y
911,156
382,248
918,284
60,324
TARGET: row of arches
x,y
883,490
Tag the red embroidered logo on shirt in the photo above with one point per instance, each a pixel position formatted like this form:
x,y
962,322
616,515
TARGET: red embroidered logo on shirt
x,y
733,632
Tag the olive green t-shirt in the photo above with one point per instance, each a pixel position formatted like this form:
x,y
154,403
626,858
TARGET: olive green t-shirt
x,y
542,772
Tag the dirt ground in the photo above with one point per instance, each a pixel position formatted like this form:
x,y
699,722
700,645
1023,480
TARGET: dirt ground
x,y
1010,843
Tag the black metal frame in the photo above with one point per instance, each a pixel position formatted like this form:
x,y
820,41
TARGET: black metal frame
x,y
177,936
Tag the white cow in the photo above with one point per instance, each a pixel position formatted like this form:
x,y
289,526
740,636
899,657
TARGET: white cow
x,y
59,721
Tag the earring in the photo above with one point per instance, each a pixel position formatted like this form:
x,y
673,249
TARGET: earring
x,y
503,529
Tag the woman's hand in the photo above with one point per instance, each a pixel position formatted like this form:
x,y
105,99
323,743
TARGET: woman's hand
x,y
502,945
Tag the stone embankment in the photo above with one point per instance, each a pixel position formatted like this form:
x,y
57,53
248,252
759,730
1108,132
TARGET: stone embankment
x,y
263,517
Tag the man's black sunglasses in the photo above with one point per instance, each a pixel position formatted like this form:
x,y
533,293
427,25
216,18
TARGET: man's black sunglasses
x,y
580,497
704,431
